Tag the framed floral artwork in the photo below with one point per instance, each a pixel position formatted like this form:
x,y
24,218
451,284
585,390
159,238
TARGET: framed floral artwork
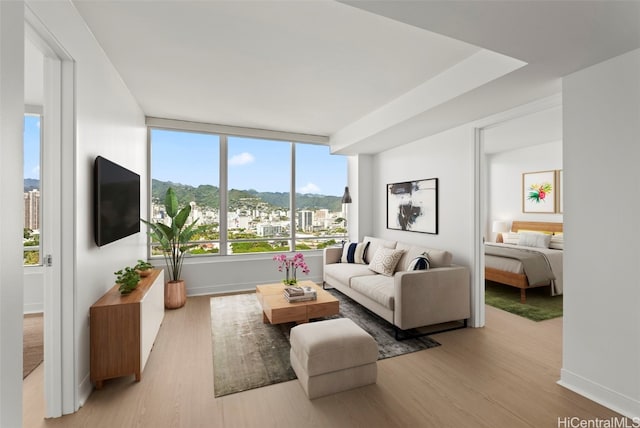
x,y
539,192
413,206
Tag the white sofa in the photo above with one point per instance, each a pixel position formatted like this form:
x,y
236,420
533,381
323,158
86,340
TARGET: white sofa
x,y
407,299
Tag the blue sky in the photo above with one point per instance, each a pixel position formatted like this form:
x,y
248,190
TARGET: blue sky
x,y
253,163
32,147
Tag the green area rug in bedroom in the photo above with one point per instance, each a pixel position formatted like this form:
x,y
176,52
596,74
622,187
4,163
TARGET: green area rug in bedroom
x,y
540,304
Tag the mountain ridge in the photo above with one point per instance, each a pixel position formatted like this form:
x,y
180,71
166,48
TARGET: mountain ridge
x,y
206,195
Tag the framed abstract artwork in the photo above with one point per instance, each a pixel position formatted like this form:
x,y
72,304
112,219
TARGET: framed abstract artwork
x,y
539,192
413,206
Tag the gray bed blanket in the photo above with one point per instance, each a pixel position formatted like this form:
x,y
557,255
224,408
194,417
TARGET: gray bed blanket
x,y
535,264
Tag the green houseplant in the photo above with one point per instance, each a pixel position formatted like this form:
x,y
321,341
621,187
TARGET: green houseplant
x,y
174,242
128,279
143,268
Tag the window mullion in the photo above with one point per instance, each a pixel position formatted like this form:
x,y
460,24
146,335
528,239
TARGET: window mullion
x,y
224,195
292,198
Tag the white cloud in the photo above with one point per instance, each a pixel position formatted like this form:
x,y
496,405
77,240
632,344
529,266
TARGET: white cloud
x,y
244,158
36,171
309,188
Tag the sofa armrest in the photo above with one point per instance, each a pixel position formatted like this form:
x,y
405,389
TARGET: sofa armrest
x,y
332,255
431,296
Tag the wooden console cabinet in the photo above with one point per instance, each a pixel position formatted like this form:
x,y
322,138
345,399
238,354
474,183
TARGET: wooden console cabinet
x,y
123,329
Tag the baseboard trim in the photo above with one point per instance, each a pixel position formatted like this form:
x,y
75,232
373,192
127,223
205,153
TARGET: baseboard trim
x,y
85,389
600,394
33,308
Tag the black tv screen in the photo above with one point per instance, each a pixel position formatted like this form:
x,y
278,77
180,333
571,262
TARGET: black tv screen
x,y
116,201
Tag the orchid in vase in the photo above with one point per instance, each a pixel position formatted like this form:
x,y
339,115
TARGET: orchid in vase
x,y
290,265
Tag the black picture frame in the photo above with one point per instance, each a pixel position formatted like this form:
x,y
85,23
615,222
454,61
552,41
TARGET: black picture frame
x,y
413,206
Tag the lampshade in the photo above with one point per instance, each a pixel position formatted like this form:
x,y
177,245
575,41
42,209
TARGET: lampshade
x,y
500,226
346,198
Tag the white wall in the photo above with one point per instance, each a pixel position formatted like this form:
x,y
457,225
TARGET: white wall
x,y
11,278
601,156
447,156
360,220
33,300
504,188
109,123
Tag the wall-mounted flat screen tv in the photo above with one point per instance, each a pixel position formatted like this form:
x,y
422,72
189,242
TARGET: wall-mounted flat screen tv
x,y
116,201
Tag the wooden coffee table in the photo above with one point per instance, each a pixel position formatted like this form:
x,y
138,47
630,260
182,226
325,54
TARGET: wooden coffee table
x,y
277,310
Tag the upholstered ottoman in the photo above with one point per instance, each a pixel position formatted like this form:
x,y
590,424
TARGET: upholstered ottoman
x,y
332,356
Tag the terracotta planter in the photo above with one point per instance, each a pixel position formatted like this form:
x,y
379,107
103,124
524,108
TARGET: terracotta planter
x,y
175,294
144,273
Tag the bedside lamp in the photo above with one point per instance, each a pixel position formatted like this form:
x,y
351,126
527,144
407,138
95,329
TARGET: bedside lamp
x,y
500,227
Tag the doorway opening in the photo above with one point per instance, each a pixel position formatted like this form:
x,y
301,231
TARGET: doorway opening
x,y
49,92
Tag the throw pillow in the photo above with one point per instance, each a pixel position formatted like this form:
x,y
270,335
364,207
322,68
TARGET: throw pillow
x,y
354,252
419,263
539,240
557,242
385,260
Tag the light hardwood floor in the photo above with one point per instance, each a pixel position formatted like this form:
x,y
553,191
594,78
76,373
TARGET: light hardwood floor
x,y
502,375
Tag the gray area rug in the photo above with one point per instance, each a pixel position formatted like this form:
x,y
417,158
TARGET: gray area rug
x,y
249,354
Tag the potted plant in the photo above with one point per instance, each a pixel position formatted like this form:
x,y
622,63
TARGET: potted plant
x,y
128,278
143,268
174,242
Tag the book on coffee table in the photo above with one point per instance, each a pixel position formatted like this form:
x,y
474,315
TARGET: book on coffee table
x,y
298,290
299,298
299,293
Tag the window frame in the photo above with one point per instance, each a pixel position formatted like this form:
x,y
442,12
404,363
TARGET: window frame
x,y
223,132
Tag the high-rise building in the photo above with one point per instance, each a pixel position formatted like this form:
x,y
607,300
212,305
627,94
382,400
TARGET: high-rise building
x,y
305,220
32,209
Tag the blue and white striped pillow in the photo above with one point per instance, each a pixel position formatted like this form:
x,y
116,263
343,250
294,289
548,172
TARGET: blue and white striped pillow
x,y
355,252
419,263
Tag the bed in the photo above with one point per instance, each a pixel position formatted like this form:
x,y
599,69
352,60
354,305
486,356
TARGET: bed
x,y
509,271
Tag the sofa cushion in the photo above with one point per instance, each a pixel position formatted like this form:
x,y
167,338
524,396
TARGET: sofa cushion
x,y
437,258
378,288
385,261
354,252
343,272
376,243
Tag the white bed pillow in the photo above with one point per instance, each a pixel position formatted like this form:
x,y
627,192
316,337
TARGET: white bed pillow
x,y
511,238
557,242
532,239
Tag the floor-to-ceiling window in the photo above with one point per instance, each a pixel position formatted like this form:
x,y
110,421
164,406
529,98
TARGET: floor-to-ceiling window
x,y
259,213
320,182
240,190
189,163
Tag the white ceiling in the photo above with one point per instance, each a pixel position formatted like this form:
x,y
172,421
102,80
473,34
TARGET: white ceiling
x,y
541,127
308,67
329,68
